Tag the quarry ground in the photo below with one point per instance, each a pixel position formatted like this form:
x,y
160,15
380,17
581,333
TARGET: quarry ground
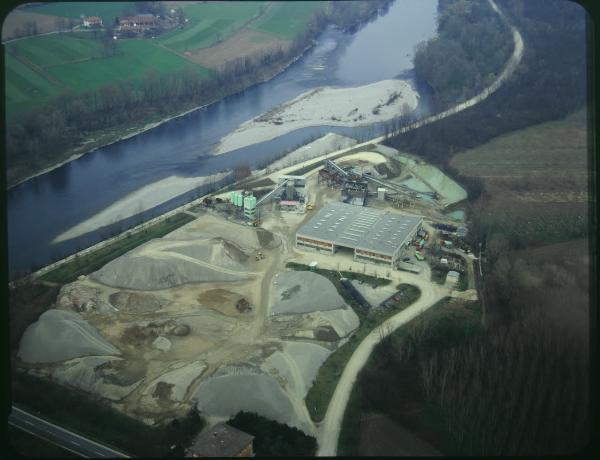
x,y
157,330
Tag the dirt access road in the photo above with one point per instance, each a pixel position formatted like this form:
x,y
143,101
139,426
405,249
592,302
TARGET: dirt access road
x,y
329,430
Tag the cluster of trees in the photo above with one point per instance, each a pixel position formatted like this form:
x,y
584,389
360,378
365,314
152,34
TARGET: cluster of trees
x,y
471,48
549,83
42,137
274,439
518,387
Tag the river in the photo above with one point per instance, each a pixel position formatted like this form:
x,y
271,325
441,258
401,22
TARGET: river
x,y
46,206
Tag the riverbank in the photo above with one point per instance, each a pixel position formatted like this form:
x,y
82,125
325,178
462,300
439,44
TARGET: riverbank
x,y
348,107
139,201
109,137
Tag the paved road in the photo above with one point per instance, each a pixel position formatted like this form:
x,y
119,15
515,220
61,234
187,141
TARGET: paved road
x,y
60,436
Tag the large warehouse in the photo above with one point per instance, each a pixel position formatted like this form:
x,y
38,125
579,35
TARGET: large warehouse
x,y
373,235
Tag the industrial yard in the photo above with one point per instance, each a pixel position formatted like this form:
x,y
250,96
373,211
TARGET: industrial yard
x,y
212,315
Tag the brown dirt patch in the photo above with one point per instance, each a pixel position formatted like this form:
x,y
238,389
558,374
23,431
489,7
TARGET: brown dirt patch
x,y
245,43
382,436
221,300
16,20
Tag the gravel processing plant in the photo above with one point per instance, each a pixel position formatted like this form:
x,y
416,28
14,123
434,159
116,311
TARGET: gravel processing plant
x,y
209,315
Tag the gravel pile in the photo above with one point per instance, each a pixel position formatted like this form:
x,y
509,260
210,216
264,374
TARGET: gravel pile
x,y
303,292
146,273
59,335
297,364
236,389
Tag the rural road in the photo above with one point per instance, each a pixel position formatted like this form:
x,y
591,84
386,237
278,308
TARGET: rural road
x,y
59,436
330,427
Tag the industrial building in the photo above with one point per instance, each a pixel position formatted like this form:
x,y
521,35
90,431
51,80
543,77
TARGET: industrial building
x,y
374,235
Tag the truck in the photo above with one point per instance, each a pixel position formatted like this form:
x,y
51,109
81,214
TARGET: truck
x,y
310,207
419,256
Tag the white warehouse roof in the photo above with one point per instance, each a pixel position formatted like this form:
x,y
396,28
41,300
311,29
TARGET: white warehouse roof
x,y
361,228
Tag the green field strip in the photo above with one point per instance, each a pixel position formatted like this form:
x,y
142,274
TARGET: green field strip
x,y
138,58
203,37
286,19
237,11
55,50
26,79
106,10
210,22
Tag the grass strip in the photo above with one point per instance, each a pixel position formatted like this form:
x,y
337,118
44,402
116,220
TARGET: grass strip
x,y
89,263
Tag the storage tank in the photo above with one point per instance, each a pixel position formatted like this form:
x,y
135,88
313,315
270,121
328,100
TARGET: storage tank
x,y
249,206
239,199
232,198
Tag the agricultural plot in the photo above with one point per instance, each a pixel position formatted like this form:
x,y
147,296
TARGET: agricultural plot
x,y
536,179
137,59
24,87
54,50
40,68
286,19
106,10
209,23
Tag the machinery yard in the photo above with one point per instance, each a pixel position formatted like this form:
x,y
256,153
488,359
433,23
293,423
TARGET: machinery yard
x,y
210,315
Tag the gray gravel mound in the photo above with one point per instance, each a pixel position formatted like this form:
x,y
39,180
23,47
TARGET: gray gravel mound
x,y
226,395
59,335
304,292
147,273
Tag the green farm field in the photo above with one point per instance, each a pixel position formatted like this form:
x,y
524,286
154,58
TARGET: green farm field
x,y
210,22
40,68
106,10
286,19
536,180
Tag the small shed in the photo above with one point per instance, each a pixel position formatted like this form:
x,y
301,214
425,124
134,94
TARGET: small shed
x,y
452,277
221,440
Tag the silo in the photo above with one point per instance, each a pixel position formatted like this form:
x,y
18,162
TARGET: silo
x,y
238,199
249,207
232,198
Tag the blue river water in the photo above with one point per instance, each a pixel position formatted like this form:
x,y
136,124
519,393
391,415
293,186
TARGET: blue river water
x,y
46,206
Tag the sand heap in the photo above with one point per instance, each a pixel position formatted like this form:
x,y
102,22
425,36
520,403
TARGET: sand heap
x,y
59,335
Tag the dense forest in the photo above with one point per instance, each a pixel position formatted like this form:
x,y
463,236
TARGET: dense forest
x,y
43,137
518,387
470,50
549,83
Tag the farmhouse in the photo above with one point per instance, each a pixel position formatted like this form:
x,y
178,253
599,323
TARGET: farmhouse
x,y
137,23
374,235
221,440
92,21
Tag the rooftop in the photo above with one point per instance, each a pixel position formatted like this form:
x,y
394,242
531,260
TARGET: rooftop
x,y
220,440
361,228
